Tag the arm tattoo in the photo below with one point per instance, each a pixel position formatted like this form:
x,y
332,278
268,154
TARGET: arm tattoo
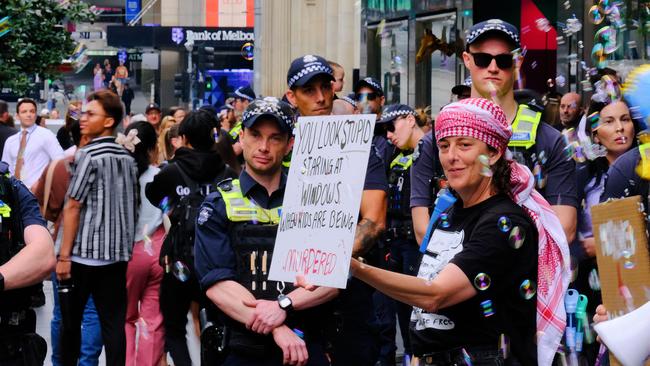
x,y
365,237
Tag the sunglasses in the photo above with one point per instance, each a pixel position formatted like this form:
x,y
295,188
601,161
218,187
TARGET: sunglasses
x,y
367,96
483,60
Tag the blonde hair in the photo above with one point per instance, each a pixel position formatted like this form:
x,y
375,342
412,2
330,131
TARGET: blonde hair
x,y
424,116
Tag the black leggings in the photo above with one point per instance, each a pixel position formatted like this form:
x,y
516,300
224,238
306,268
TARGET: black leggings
x,y
175,300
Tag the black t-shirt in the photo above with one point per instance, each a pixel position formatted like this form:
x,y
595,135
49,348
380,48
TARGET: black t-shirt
x,y
477,241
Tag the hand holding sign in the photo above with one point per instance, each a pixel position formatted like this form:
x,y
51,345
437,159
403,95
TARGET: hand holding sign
x,y
321,207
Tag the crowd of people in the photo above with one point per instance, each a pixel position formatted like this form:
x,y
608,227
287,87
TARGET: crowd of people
x,y
471,228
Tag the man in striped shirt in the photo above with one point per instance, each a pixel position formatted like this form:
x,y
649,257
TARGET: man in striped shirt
x,y
98,230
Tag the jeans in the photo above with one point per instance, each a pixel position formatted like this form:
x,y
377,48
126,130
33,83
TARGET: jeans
x,y
91,336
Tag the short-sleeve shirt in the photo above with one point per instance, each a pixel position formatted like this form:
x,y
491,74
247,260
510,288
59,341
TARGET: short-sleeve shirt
x,y
558,169
478,240
214,258
30,212
105,182
378,163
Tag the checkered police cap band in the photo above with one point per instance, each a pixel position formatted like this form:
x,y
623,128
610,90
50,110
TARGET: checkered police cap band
x,y
272,106
492,25
349,100
312,68
387,116
241,95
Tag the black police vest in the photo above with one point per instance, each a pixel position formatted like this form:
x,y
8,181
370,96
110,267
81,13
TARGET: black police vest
x,y
399,186
12,242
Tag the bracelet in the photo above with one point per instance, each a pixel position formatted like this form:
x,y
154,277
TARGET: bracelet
x,y
63,260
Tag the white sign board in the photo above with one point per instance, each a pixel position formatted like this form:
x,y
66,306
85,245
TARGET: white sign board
x,y
322,198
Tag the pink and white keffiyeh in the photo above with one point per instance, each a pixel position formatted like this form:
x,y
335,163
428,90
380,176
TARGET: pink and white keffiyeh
x,y
486,121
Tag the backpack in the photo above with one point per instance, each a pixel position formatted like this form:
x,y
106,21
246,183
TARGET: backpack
x,y
178,245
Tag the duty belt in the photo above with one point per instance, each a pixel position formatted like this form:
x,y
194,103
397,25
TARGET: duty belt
x,y
458,356
13,318
405,232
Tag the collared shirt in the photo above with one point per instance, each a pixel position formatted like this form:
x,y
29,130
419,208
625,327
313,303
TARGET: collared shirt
x,y
214,258
105,181
42,147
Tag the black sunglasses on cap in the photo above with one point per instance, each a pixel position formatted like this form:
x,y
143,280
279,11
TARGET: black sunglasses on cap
x,y
369,96
483,60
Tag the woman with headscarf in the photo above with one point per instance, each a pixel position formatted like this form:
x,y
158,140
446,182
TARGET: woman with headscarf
x,y
495,269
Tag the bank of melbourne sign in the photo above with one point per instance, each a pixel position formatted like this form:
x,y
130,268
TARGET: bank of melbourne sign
x,y
172,37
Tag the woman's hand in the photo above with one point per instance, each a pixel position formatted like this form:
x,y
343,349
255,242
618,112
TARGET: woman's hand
x,y
589,245
601,314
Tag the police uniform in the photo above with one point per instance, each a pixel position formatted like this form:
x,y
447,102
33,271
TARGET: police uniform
x,y
19,343
401,248
235,236
534,143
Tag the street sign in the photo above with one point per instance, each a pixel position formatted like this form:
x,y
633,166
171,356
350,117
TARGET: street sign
x,y
88,35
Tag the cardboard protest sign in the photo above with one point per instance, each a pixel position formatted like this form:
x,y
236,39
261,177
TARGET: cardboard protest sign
x,y
619,228
322,198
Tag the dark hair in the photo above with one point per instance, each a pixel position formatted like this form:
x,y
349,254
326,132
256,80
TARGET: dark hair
x,y
74,131
148,139
26,100
197,128
111,103
4,107
600,165
501,174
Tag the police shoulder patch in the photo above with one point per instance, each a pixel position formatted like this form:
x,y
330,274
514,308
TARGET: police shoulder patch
x,y
204,215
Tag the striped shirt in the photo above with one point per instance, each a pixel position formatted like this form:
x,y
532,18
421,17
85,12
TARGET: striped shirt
x,y
105,182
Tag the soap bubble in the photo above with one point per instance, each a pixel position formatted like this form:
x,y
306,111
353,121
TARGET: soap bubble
x,y
595,16
487,308
594,280
517,237
504,224
543,24
181,271
527,289
482,281
606,6
560,81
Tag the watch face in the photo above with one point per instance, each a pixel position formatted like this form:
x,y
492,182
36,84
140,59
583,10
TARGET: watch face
x,y
285,302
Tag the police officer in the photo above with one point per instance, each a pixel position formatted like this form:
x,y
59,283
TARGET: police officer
x,y
266,322
309,80
26,258
402,126
534,143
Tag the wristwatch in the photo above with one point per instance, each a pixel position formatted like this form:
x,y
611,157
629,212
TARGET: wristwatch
x,y
2,283
285,303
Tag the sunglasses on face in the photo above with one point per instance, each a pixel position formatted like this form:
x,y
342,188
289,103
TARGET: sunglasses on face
x,y
483,60
367,96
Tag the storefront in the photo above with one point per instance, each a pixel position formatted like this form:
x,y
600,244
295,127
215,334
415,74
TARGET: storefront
x,y
414,48
233,61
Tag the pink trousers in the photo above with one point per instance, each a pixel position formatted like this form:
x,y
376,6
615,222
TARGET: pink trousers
x,y
143,314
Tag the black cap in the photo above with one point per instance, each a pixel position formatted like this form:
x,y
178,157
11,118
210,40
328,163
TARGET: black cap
x,y
492,25
244,92
393,111
151,106
371,83
271,107
460,88
305,68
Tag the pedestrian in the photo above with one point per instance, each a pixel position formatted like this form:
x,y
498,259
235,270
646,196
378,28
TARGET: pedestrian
x,y
370,96
99,228
153,113
144,274
6,129
108,74
127,98
178,113
476,285
290,326
98,78
339,77
27,259
570,110
55,180
31,150
122,75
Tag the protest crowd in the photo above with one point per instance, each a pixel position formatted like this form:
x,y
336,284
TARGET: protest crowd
x,y
474,238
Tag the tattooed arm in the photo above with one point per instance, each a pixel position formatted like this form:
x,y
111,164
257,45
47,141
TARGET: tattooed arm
x,y
372,222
